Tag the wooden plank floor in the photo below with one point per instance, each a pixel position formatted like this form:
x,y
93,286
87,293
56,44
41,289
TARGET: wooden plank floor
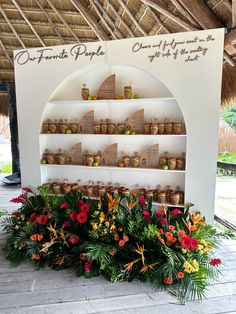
x,y
23,290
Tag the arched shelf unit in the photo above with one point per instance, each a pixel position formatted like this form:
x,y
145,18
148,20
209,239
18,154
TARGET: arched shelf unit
x,y
157,102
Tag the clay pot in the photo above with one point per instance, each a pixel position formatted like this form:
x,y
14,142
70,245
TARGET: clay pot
x,y
121,128
63,126
161,128
168,127
66,188
74,127
155,195
126,192
134,161
97,158
52,127
61,157
85,93
97,128
111,128
103,127
162,197
154,128
101,191
149,194
125,161
147,128
50,158
128,92
56,187
45,127
177,127
168,195
175,199
89,190
89,160
142,192
163,161
180,163
171,163
114,192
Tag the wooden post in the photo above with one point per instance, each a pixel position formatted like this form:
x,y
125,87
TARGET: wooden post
x,y
11,94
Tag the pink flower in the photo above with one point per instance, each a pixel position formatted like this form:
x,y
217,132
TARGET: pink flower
x,y
82,256
175,212
26,189
73,239
66,224
73,216
79,204
42,220
142,200
185,242
84,208
33,237
193,243
159,213
20,199
163,221
147,215
215,262
64,205
82,217
32,217
87,266
40,237
35,257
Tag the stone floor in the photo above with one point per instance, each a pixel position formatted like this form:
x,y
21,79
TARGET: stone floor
x,y
23,290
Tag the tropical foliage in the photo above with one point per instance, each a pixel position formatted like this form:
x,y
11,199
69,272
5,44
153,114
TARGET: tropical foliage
x,y
120,237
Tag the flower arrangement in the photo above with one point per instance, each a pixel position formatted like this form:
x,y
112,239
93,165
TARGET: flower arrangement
x,y
120,237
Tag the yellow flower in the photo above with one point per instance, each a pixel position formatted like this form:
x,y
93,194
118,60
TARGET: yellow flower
x,y
107,224
191,267
94,225
195,265
102,217
129,266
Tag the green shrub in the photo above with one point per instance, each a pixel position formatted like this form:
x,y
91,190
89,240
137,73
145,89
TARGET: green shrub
x,y
6,167
229,116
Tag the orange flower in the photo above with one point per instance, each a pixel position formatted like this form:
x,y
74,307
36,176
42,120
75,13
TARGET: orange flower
x,y
125,238
161,231
121,243
173,240
161,240
169,235
181,233
169,242
33,237
180,274
171,227
116,237
168,280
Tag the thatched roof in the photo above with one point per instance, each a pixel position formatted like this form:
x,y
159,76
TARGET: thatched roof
x,y
3,104
35,23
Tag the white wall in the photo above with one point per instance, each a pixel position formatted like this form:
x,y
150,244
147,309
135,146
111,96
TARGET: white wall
x,y
196,85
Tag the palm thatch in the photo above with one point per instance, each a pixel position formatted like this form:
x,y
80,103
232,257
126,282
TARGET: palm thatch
x,y
3,104
35,23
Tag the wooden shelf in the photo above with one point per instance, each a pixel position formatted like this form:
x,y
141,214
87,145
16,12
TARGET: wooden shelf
x,y
102,168
133,100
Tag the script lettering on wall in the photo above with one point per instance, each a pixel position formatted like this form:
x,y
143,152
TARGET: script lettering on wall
x,y
190,50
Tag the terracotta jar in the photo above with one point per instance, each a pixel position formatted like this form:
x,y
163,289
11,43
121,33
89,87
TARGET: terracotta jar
x,y
147,128
177,127
52,127
142,192
126,161
162,197
63,126
97,128
103,127
161,128
169,193
126,192
50,158
61,157
74,127
84,92
155,195
102,191
149,194
154,128
114,192
89,160
168,127
134,161
66,188
171,163
111,127
89,190
121,128
163,161
175,199
97,158
128,92
180,161
45,127
56,187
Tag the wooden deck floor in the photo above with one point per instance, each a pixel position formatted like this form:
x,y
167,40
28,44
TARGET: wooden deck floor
x,y
23,290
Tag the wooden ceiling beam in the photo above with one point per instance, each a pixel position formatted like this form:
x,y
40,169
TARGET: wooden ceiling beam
x,y
233,13
158,20
6,52
90,19
63,20
12,27
102,19
169,14
28,22
121,21
50,21
201,13
184,12
129,13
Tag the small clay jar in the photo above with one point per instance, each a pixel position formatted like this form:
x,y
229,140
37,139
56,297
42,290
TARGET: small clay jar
x,y
154,128
103,127
177,127
134,161
169,193
180,161
84,92
161,128
171,163
89,190
102,191
142,192
111,127
127,92
74,127
56,187
114,192
48,185
52,127
163,161
45,127
50,157
97,128
126,161
121,128
175,199
162,197
61,157
97,158
75,186
89,160
168,127
149,194
66,188
155,195
126,192
147,128
63,126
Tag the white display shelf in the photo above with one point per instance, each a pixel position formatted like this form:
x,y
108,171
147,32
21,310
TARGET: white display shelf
x,y
113,135
102,168
132,100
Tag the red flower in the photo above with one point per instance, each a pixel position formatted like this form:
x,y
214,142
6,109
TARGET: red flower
x,y
215,262
82,256
147,215
32,217
64,205
175,212
20,199
193,243
73,239
79,204
40,237
36,257
42,220
66,224
159,213
142,200
33,237
26,189
82,217
73,216
84,208
180,274
121,243
185,242
87,266
163,221
168,280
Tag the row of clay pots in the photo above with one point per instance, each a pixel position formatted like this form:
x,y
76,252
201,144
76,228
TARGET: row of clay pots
x,y
172,163
167,127
85,93
130,161
60,126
